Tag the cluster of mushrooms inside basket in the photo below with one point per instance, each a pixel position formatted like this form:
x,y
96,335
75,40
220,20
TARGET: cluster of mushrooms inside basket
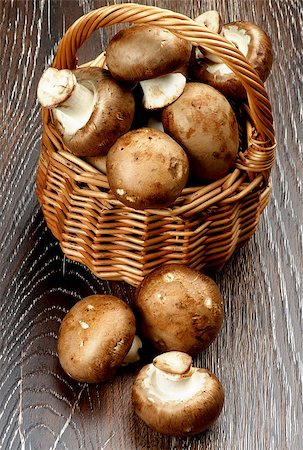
x,y
154,118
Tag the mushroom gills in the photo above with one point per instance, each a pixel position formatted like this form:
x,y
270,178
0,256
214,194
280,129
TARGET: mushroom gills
x,y
239,38
133,353
162,91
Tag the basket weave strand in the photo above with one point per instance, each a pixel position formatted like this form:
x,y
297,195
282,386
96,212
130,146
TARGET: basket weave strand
x,y
204,225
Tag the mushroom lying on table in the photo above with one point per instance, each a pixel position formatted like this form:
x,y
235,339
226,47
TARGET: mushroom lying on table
x,y
179,308
253,42
90,109
96,337
174,398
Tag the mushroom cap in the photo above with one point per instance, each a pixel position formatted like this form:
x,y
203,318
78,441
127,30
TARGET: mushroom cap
x,y
204,124
112,115
63,88
179,309
94,338
142,52
210,19
259,55
146,169
184,410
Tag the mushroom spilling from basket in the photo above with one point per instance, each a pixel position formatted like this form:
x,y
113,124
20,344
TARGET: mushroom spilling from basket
x,y
187,131
157,114
180,312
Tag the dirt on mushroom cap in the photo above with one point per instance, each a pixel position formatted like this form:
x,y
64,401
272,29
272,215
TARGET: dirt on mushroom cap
x,y
203,122
179,309
94,338
142,52
146,169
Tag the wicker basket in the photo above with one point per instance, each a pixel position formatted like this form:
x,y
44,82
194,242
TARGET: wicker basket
x,y
204,225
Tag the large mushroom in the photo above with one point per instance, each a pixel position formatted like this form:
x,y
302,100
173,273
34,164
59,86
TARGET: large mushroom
x,y
253,42
204,124
179,308
174,398
143,52
146,169
97,336
91,110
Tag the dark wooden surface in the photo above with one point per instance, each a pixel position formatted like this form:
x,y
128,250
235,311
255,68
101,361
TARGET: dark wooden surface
x,y
258,355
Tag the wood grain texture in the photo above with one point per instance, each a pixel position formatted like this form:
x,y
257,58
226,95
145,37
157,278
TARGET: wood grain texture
x,y
258,355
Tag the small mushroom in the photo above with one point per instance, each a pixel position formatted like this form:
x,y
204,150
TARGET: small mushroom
x,y
211,20
146,169
91,110
204,124
253,42
174,398
142,52
162,91
95,337
179,309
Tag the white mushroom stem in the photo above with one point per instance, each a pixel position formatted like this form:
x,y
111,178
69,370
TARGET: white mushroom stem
x,y
72,103
172,378
162,91
133,353
169,387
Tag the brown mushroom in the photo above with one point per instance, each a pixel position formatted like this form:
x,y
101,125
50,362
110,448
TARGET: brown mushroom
x,y
179,309
174,398
95,337
253,42
146,169
142,52
91,110
204,124
210,19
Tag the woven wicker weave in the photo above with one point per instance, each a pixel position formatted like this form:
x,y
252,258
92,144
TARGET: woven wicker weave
x,y
205,224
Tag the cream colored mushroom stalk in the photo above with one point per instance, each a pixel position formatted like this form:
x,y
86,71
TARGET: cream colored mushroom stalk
x,y
174,398
90,109
59,90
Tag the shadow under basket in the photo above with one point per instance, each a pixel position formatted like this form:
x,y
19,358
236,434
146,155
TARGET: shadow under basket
x,y
204,226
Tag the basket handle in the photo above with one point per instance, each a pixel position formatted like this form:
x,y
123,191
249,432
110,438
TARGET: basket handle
x,y
186,28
